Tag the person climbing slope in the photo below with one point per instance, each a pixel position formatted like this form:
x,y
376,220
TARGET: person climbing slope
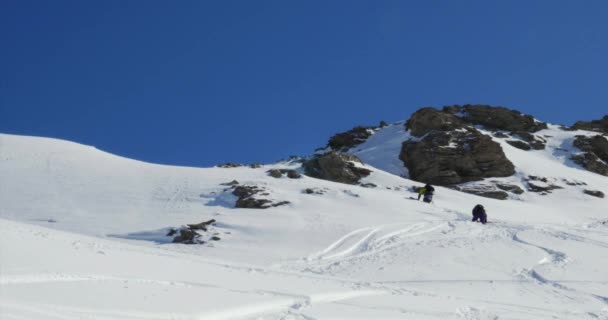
x,y
426,193
479,214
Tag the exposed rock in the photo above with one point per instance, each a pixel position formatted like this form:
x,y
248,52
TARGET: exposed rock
x,y
429,119
278,173
496,118
346,140
510,188
574,183
519,144
383,124
594,125
595,153
255,165
482,191
231,183
201,226
448,158
230,165
597,145
595,193
535,142
314,191
500,134
215,238
368,185
246,198
542,187
591,162
275,173
337,167
192,233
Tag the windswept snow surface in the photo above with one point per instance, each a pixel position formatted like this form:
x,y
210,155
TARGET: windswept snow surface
x,y
82,236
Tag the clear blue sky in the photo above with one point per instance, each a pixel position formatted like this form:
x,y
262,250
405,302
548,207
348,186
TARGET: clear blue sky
x,y
204,82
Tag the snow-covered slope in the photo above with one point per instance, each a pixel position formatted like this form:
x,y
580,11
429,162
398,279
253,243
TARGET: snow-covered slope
x,y
82,236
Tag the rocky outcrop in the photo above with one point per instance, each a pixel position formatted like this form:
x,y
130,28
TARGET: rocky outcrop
x,y
349,139
594,125
337,167
278,173
541,185
519,144
453,157
483,191
426,120
496,118
248,198
594,156
194,233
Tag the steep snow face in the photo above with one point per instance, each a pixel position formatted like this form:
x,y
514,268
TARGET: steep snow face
x,y
83,235
381,150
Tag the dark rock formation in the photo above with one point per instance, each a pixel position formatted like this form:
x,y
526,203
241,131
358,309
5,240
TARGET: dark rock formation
x,y
314,191
346,140
496,118
369,185
426,120
510,188
278,173
483,191
447,158
191,233
595,153
594,125
594,193
230,165
541,185
519,144
255,165
534,141
337,167
247,198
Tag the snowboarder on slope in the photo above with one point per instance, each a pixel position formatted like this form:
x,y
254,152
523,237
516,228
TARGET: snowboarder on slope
x,y
427,193
479,214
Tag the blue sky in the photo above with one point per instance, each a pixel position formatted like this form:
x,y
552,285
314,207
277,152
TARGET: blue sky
x,y
205,82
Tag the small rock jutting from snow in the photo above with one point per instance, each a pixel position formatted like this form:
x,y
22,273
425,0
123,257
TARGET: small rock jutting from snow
x,y
278,173
193,233
247,198
594,193
231,183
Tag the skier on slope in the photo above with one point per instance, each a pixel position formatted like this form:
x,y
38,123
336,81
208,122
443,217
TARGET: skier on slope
x,y
479,214
426,193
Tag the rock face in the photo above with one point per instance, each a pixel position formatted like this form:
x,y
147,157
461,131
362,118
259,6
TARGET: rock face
x,y
594,125
496,118
426,120
452,157
595,153
335,167
349,139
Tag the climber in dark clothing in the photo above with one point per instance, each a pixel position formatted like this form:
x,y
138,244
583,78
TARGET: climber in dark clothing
x,y
428,193
479,214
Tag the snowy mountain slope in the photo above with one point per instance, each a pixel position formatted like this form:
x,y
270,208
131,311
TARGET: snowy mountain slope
x,y
349,253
